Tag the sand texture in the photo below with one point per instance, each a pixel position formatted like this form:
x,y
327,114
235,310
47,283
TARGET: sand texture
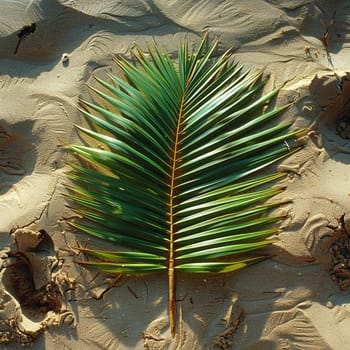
x,y
298,300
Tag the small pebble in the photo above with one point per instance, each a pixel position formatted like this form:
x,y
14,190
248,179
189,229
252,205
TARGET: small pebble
x,y
329,304
65,59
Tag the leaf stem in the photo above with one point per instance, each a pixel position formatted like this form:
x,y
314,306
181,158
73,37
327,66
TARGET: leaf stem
x,y
171,269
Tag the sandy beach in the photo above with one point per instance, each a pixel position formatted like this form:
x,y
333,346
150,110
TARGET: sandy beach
x,y
299,299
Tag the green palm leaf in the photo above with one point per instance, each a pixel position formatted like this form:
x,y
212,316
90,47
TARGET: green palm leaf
x,y
179,182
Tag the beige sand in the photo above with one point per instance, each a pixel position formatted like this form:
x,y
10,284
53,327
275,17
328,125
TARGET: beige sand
x,y
298,300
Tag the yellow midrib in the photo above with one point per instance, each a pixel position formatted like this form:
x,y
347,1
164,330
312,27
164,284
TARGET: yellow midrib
x,y
171,266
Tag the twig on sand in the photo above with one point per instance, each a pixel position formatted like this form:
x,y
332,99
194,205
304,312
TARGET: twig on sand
x,y
23,33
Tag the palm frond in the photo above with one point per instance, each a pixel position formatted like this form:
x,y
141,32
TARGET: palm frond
x,y
180,181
